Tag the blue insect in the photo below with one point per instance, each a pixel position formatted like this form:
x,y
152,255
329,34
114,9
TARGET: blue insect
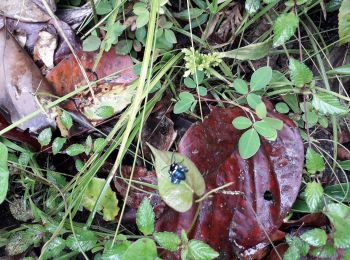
x,y
177,172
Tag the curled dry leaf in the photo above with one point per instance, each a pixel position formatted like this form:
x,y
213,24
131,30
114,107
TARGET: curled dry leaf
x,y
20,80
26,10
263,189
139,191
44,48
112,91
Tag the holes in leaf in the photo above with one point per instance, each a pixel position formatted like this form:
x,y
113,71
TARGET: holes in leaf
x,y
268,195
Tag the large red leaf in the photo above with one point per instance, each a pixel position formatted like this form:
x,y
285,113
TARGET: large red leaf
x,y
264,187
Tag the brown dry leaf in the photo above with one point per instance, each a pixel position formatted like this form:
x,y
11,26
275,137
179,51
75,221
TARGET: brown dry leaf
x,y
26,10
20,80
44,48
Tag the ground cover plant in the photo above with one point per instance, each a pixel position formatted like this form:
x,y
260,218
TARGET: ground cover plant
x,y
161,129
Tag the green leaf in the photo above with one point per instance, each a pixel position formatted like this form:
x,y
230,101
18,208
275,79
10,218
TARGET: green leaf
x,y
339,215
177,196
45,136
274,122
91,43
314,161
18,243
240,86
341,70
88,145
170,36
104,7
252,6
142,19
66,120
313,195
344,22
266,130
284,28
109,203
98,144
315,237
56,179
187,14
190,83
241,122
104,111
202,91
260,78
260,110
24,158
58,144
199,250
84,240
54,248
253,100
4,172
185,103
124,47
327,104
145,217
299,73
143,248
75,149
326,251
253,51
297,248
282,108
116,251
249,143
168,240
79,165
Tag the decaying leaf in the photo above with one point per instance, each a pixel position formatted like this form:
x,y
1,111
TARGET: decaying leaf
x,y
26,10
177,196
114,72
108,205
44,48
140,188
241,216
20,80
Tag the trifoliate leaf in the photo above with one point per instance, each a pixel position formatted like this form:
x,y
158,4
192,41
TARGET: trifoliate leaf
x,y
260,78
284,28
314,161
313,195
266,130
145,217
240,86
327,104
241,123
91,43
274,122
261,110
253,100
315,237
299,73
185,102
249,143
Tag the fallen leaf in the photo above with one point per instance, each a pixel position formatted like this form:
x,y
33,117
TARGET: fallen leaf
x,y
228,221
44,48
139,191
114,70
20,80
26,10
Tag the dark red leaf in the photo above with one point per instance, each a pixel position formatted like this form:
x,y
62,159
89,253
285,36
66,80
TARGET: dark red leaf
x,y
137,195
232,223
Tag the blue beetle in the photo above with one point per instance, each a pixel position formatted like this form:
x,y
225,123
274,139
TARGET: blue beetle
x,y
177,173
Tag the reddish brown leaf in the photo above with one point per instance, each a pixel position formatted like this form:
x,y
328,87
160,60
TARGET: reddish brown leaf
x,y
67,75
269,181
137,195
